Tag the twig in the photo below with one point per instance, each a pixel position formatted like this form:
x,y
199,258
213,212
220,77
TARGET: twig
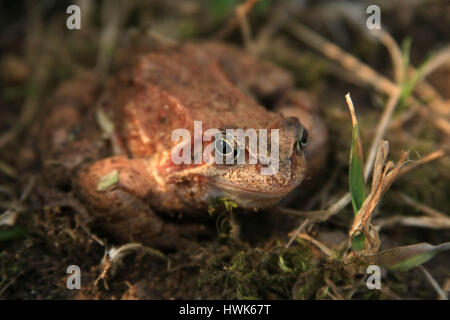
x,y
442,57
7,170
428,158
88,232
276,20
114,14
427,92
349,62
241,13
364,72
319,215
355,288
39,76
419,222
296,233
394,51
9,217
242,9
441,294
380,131
334,288
37,83
69,201
10,282
421,207
317,243
389,293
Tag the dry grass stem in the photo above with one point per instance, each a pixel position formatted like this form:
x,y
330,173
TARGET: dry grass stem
x,y
421,207
240,11
346,60
435,155
337,295
437,223
380,131
241,14
114,15
296,233
364,72
319,215
317,243
440,58
37,82
441,294
394,51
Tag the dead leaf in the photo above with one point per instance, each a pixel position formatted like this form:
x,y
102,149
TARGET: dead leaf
x,y
384,175
8,218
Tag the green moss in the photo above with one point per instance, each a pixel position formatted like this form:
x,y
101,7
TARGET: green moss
x,y
221,202
258,273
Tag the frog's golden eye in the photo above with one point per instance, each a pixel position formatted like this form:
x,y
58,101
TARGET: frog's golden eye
x,y
225,148
302,139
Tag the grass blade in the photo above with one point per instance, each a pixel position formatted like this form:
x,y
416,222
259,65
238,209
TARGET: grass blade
x,y
407,257
12,234
356,175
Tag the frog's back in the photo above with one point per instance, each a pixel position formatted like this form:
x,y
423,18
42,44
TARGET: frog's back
x,y
171,88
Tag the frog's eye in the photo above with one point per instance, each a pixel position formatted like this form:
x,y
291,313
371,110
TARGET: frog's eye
x,y
224,148
302,139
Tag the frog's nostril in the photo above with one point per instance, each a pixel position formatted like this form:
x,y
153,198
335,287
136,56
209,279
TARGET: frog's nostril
x,y
302,139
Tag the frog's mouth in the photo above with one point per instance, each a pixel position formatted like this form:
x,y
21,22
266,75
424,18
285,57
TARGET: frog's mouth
x,y
247,197
264,194
232,188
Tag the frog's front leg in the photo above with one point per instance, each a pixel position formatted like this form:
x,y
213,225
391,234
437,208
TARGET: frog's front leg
x,y
120,204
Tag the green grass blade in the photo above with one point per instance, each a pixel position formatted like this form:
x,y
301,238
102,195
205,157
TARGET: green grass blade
x,y
408,86
359,242
406,49
356,174
12,234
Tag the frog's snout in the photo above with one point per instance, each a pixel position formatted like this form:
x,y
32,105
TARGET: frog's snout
x,y
302,139
294,134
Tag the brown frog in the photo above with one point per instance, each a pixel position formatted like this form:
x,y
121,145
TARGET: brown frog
x,y
112,143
